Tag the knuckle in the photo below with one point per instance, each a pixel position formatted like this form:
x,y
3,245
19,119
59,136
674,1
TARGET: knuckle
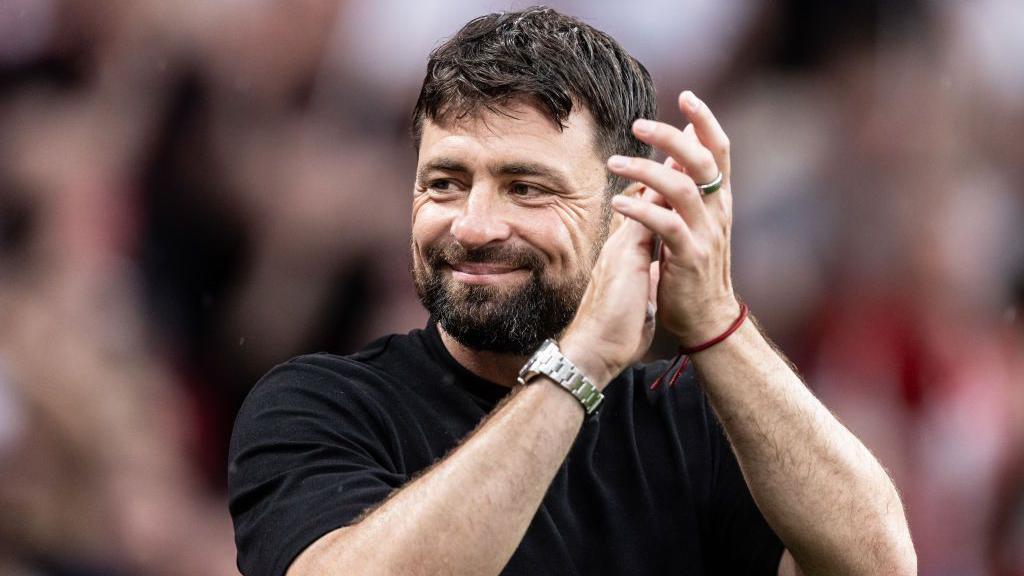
x,y
707,163
675,234
727,214
702,255
694,262
683,188
693,193
725,226
724,144
688,183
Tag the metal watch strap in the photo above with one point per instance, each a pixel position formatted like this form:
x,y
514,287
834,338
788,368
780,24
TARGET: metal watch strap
x,y
549,361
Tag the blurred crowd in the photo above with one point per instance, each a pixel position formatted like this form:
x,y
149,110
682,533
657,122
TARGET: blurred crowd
x,y
194,191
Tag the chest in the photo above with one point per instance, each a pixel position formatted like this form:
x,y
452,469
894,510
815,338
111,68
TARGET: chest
x,y
623,502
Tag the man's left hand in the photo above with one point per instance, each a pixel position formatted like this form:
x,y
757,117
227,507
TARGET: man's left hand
x,y
695,296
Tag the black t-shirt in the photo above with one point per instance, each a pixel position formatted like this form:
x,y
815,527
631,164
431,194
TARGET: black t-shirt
x,y
650,486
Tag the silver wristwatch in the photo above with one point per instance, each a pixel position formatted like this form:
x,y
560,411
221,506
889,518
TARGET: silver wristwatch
x,y
549,361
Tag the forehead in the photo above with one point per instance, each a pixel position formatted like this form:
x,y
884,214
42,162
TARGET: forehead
x,y
518,133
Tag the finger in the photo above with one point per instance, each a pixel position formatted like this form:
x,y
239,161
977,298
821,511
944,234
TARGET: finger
x,y
652,296
695,159
631,232
715,201
651,318
704,127
676,188
636,189
708,130
671,163
664,222
652,195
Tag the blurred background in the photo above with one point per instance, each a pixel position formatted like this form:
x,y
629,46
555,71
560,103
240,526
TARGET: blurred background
x,y
193,191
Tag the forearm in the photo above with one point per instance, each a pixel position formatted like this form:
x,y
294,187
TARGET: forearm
x,y
817,485
469,512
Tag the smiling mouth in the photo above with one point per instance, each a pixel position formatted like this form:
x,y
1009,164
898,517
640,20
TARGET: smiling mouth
x,y
483,272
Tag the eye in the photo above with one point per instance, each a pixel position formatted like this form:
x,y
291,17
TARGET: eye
x,y
441,186
524,190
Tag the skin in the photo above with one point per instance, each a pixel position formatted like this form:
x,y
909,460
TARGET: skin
x,y
819,488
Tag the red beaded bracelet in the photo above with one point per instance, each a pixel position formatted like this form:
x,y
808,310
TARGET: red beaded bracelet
x,y
684,353
744,310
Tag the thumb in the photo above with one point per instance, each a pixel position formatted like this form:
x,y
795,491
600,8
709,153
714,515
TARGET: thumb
x,y
635,230
635,189
652,294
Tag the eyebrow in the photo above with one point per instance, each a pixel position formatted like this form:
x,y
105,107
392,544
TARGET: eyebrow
x,y
441,164
533,169
446,164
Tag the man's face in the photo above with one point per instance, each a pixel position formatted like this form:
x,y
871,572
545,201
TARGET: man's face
x,y
508,216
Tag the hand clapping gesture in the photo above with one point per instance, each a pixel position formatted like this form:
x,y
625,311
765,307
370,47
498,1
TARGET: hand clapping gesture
x,y
688,204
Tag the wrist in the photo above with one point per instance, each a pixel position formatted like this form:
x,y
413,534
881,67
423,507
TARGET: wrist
x,y
735,325
549,361
583,356
713,322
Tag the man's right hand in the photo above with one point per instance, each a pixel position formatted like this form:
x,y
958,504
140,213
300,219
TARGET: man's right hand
x,y
614,324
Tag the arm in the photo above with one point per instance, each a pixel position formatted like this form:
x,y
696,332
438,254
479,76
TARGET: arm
x,y
819,488
470,511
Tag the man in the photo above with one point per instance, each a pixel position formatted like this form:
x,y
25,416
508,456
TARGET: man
x,y
536,212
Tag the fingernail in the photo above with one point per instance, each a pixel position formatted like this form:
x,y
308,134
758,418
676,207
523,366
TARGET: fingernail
x,y
691,100
618,161
643,126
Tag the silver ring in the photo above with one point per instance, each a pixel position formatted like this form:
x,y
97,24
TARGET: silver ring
x,y
710,187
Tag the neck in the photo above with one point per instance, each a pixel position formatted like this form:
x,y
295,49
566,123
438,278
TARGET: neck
x,y
495,367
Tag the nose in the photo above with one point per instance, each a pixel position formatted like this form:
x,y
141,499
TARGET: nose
x,y
481,220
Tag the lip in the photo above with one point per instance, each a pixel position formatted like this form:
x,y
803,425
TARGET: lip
x,y
483,273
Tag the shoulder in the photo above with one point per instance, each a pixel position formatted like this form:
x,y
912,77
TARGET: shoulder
x,y
310,426
324,390
322,395
315,378
327,377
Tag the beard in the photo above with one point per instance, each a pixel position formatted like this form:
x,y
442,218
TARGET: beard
x,y
505,319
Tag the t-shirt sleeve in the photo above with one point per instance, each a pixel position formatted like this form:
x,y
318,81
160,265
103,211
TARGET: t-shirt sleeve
x,y
309,454
741,542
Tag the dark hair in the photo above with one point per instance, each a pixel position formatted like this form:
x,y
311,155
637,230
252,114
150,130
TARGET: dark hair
x,y
548,59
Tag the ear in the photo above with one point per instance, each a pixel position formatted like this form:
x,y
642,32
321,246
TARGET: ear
x,y
635,190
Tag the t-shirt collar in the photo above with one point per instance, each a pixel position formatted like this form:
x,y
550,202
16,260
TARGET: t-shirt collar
x,y
480,387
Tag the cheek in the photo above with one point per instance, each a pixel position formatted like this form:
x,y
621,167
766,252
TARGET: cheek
x,y
570,230
430,223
